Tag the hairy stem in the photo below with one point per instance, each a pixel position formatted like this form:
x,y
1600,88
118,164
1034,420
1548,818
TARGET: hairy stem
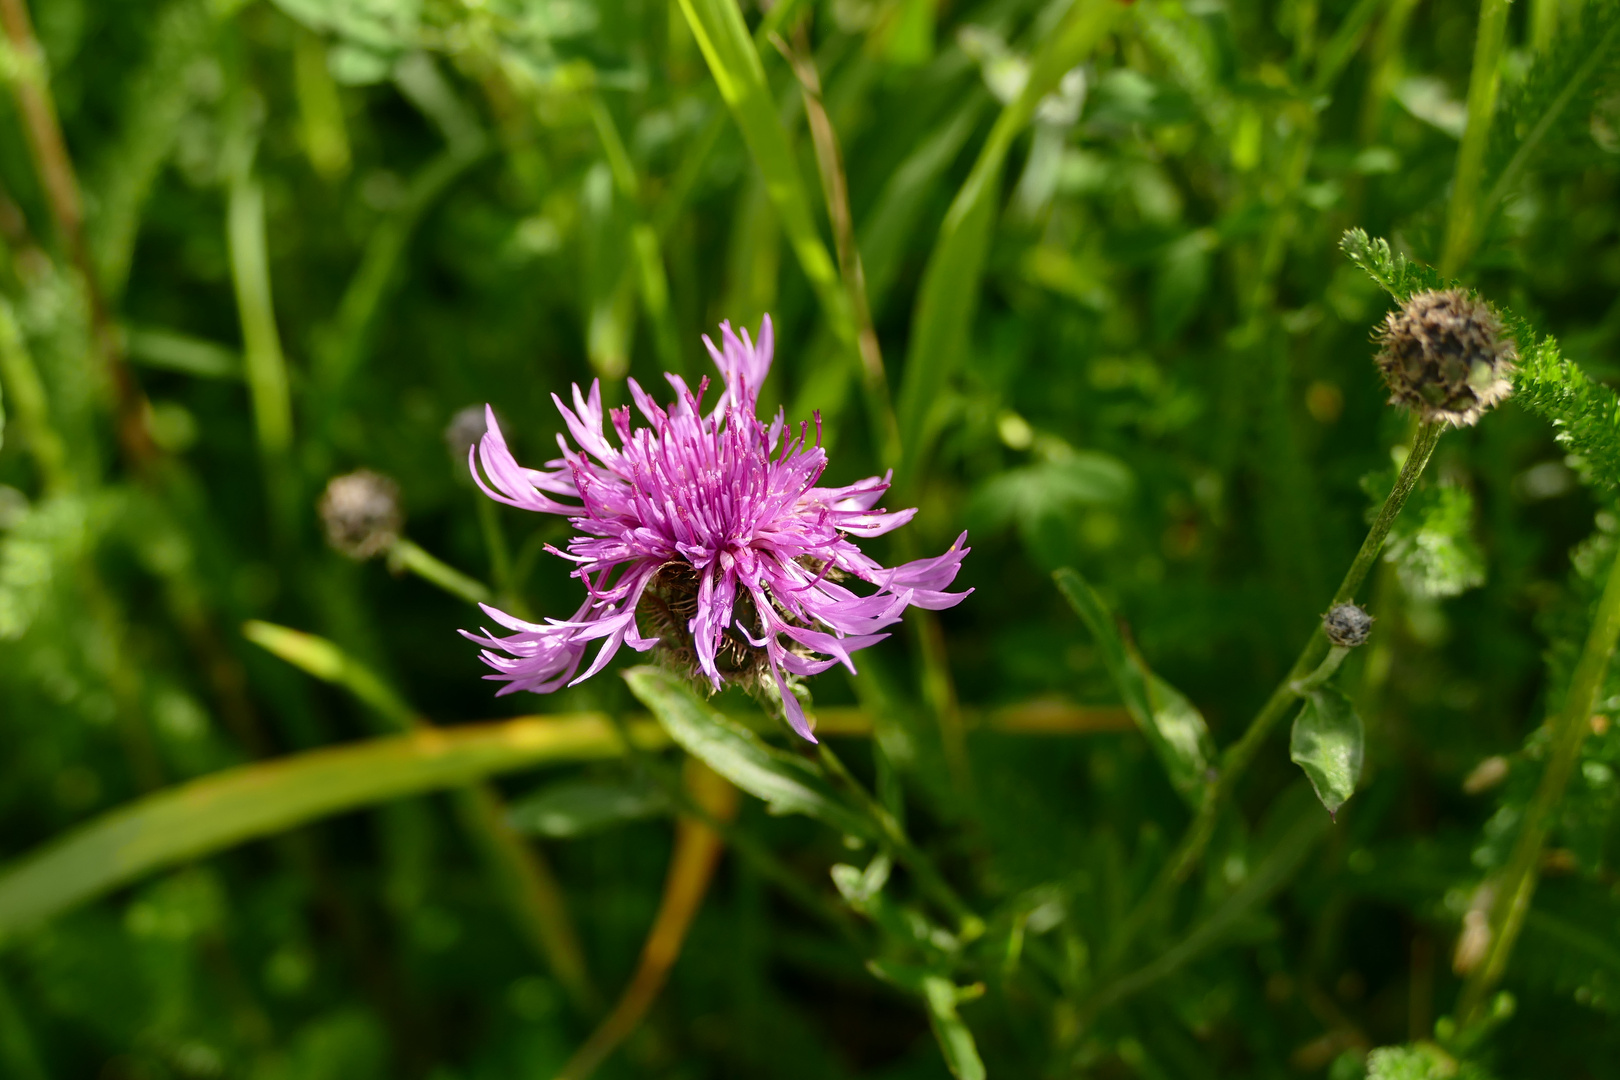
x,y
1237,758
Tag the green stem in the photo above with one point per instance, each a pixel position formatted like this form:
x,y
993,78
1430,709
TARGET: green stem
x,y
500,552
969,924
1462,218
1518,882
17,1050
1279,704
263,362
29,404
406,555
1325,671
758,854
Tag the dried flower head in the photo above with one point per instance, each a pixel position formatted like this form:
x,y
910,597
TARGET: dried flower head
x,y
1347,625
361,513
705,535
464,430
1444,354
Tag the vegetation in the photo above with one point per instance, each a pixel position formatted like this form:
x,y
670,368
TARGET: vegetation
x,y
1099,281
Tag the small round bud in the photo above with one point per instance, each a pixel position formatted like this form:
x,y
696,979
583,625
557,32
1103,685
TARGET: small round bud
x,y
1347,625
464,430
1444,354
361,513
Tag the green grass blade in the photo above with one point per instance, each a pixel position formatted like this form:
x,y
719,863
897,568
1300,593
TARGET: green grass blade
x,y
943,317
734,61
227,808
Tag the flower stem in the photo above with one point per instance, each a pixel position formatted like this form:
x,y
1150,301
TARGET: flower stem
x,y
406,555
1462,217
1279,704
1569,728
929,879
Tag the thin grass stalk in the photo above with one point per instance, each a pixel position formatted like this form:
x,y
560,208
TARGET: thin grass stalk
x,y
54,167
691,869
646,246
521,875
1569,728
25,394
1282,700
942,319
1463,217
835,189
406,554
264,363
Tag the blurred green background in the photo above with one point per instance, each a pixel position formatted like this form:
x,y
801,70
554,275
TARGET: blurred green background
x,y
1074,273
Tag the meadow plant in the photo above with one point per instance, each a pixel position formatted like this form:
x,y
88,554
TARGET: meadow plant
x,y
1265,349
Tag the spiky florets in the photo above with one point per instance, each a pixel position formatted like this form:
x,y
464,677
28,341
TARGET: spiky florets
x,y
361,513
1347,625
1444,354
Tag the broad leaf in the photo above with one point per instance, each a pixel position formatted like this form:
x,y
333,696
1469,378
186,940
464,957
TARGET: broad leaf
x,y
787,784
1327,743
1173,725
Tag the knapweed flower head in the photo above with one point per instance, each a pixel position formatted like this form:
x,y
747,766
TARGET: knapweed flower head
x,y
1444,354
361,513
705,534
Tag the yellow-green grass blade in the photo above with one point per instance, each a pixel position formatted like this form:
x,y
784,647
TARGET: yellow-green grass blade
x,y
943,317
734,61
231,807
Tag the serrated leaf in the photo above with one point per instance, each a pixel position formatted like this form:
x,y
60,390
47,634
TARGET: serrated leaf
x,y
1432,545
1328,743
787,784
1173,725
576,807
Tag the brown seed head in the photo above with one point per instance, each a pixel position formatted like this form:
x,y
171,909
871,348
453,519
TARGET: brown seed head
x,y
1347,625
361,513
1444,354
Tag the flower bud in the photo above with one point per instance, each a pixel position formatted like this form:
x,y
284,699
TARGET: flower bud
x,y
1444,354
1347,625
361,513
464,430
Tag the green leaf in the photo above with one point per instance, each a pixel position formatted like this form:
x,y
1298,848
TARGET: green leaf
x,y
1432,545
955,1040
1418,1061
1552,107
1327,743
1399,276
787,784
942,321
324,660
1032,493
576,807
734,62
1173,725
227,808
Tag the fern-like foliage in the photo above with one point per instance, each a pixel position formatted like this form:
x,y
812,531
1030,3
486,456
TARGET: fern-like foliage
x,y
1399,276
1585,414
1547,117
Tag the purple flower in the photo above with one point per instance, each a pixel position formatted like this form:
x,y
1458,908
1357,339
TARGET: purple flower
x,y
711,529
